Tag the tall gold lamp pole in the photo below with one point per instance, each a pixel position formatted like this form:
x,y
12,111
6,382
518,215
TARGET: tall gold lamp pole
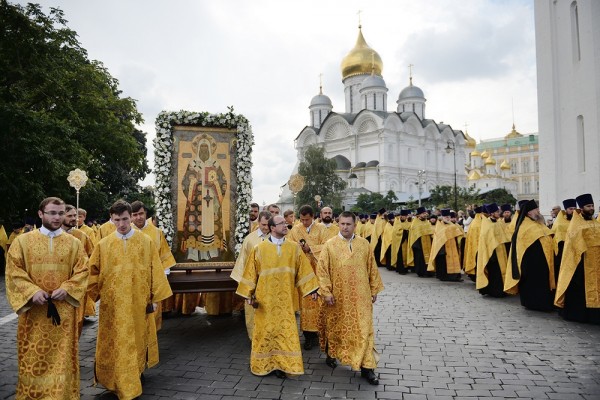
x,y
77,179
296,184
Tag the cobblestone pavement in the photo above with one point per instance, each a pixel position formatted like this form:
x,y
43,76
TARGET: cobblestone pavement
x,y
437,340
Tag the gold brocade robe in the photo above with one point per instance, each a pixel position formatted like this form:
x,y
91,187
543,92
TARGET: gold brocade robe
x,y
583,241
330,231
368,229
529,232
471,245
445,235
386,242
559,229
423,230
48,359
309,309
398,233
237,273
88,307
275,277
352,277
359,228
90,232
491,239
513,224
126,275
105,229
167,260
378,229
3,237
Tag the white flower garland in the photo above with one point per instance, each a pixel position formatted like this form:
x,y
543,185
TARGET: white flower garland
x,y
163,165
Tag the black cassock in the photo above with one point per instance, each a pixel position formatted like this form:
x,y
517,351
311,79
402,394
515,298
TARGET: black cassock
x,y
534,285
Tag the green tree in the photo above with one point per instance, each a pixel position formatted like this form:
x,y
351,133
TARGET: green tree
x,y
369,202
319,179
498,196
443,197
60,110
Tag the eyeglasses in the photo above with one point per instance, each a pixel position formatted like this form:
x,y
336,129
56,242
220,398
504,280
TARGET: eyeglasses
x,y
281,223
54,213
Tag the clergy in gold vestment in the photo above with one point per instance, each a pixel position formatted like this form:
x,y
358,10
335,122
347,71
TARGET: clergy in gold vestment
x,y
559,232
578,288
530,269
88,307
274,271
126,274
105,229
444,259
81,215
387,236
139,217
237,273
331,229
491,254
313,235
419,243
400,242
47,268
349,282
369,227
471,244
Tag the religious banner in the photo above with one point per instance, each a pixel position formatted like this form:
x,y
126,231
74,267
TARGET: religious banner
x,y
203,185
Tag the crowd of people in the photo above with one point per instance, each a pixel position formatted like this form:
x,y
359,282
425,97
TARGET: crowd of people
x,y
321,266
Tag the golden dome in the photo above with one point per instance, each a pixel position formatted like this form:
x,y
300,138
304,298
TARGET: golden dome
x,y
474,175
490,161
361,59
475,153
470,141
513,133
505,165
485,154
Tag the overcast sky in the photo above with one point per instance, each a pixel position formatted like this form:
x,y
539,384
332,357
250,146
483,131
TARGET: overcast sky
x,y
473,59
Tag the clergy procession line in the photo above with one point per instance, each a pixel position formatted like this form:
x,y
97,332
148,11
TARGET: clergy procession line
x,y
324,268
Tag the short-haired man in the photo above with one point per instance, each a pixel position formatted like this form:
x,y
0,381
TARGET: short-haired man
x,y
139,217
311,235
290,218
254,210
46,281
577,291
273,209
349,282
248,244
81,216
127,275
274,273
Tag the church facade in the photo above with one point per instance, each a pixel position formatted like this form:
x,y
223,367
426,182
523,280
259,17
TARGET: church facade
x,y
377,150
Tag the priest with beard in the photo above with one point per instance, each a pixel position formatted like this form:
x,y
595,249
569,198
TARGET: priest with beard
x,y
472,243
559,230
577,291
400,242
530,270
386,242
419,243
491,254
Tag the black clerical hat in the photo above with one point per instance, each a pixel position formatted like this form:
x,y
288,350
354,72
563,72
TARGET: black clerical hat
x,y
390,216
584,200
445,212
421,210
452,214
478,209
506,207
373,216
492,208
568,203
382,211
521,203
404,213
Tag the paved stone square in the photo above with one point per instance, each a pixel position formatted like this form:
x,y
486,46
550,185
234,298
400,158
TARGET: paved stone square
x,y
437,340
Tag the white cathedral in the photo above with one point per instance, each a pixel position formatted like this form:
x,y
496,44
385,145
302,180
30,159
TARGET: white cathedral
x,y
377,150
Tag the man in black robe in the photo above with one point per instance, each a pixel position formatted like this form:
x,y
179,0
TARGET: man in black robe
x,y
577,291
491,253
559,230
419,242
530,269
401,268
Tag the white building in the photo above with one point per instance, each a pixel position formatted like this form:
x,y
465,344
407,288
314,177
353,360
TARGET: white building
x,y
568,73
377,150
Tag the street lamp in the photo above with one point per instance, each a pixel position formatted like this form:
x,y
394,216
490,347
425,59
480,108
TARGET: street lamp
x,y
420,182
452,148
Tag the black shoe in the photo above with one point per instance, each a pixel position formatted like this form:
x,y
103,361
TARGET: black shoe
x,y
280,374
369,375
331,362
